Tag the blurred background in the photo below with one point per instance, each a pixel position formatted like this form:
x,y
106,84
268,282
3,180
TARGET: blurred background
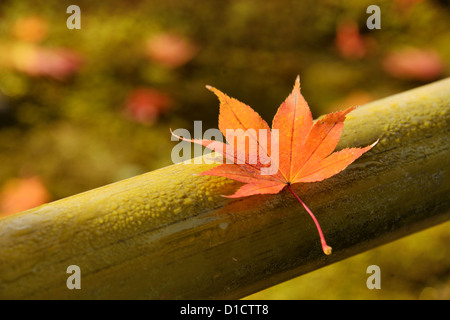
x,y
83,108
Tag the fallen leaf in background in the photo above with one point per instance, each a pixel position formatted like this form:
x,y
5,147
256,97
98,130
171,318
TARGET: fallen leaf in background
x,y
145,105
170,50
32,29
414,64
350,43
36,61
19,194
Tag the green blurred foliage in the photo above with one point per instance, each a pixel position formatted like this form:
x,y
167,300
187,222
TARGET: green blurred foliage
x,y
76,133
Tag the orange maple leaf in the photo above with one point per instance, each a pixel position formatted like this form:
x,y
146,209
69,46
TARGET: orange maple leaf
x,y
305,148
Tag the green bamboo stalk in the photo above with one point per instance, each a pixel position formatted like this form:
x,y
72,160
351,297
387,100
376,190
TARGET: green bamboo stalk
x,y
169,234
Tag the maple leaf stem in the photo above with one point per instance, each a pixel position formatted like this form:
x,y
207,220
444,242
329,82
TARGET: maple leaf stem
x,y
326,248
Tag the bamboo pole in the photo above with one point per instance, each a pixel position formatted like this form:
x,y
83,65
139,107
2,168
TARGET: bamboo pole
x,y
169,234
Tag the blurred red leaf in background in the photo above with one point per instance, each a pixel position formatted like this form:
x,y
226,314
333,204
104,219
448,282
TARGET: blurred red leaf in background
x,y
26,55
170,50
145,105
57,63
413,64
350,43
31,29
19,194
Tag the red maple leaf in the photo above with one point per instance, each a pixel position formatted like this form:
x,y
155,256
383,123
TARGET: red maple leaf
x,y
305,148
